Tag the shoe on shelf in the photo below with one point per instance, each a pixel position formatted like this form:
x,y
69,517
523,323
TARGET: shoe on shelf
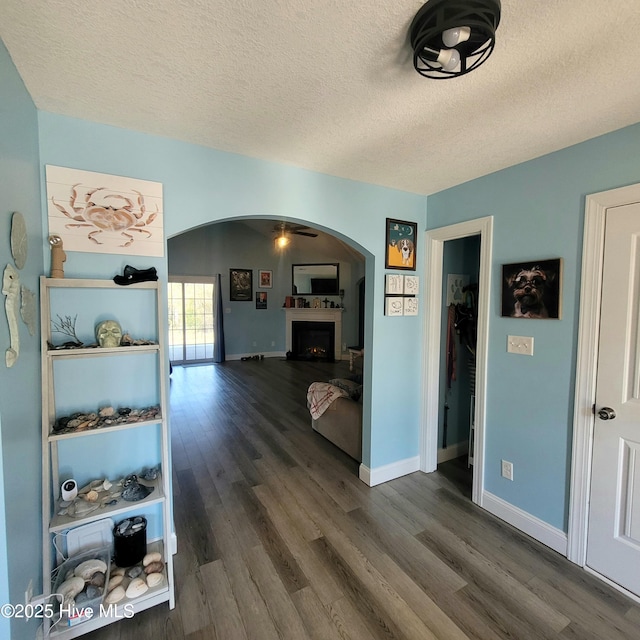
x,y
133,275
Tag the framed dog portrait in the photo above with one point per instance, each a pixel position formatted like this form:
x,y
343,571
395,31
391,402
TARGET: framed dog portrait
x,y
401,245
532,289
240,285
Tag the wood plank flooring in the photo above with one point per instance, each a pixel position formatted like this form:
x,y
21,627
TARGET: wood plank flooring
x,y
279,539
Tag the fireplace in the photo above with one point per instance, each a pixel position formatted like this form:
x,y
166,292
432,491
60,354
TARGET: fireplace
x,y
312,341
330,317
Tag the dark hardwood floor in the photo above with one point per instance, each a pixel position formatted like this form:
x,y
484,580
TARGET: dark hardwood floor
x,y
278,538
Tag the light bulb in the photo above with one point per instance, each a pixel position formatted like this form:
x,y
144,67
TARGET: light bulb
x,y
452,37
449,59
282,241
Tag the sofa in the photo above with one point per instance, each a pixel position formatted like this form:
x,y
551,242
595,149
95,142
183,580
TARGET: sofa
x,y
341,421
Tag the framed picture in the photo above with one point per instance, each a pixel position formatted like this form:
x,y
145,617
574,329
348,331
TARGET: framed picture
x,y
103,213
411,285
394,306
532,289
240,285
261,299
410,306
401,245
265,278
394,284
456,282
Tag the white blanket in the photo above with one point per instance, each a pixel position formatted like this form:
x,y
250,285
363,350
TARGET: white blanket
x,y
320,395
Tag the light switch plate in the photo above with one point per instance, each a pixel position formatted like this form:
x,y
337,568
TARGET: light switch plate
x,y
520,344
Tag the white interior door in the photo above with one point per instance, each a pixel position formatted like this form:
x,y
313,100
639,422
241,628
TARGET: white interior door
x,y
613,539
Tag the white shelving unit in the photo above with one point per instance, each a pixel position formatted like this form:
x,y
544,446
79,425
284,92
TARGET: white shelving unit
x,y
92,439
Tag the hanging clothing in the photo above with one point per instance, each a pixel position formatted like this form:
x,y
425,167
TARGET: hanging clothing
x,y
451,345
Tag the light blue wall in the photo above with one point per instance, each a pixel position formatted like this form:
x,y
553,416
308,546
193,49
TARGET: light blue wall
x,y
218,247
20,385
203,185
5,623
538,210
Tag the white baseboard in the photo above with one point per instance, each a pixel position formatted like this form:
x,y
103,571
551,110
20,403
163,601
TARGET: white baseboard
x,y
372,477
453,451
525,522
611,583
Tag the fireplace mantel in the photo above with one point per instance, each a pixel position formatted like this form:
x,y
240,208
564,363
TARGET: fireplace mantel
x,y
316,315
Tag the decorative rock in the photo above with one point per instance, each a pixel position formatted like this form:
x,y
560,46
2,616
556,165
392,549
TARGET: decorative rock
x,y
137,588
97,579
85,570
92,496
124,411
135,571
150,474
114,582
123,526
117,571
73,423
133,490
154,567
154,580
69,589
154,556
81,598
92,592
115,595
61,423
106,412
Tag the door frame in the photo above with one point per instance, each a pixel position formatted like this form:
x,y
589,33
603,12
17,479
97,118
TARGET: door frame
x,y
596,206
435,239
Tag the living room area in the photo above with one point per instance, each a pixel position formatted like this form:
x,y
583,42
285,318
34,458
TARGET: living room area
x,y
302,301
255,320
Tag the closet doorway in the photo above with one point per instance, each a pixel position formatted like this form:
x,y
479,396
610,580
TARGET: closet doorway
x,y
458,347
470,407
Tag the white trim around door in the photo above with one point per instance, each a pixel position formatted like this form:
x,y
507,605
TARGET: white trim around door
x,y
596,206
435,239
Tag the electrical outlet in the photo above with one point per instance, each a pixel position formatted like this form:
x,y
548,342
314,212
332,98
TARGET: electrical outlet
x,y
255,344
28,594
507,470
273,343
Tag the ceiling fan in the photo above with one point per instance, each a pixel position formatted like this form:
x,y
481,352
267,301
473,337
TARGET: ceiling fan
x,y
294,229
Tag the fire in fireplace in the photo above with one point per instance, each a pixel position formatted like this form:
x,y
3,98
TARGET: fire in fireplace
x,y
312,341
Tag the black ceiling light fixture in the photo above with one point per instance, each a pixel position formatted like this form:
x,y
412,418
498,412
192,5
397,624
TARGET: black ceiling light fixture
x,y
452,37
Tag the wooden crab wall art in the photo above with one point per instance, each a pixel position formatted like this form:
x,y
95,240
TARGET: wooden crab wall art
x,y
102,213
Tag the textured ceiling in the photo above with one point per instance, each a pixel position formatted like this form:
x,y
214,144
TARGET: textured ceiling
x,y
329,85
